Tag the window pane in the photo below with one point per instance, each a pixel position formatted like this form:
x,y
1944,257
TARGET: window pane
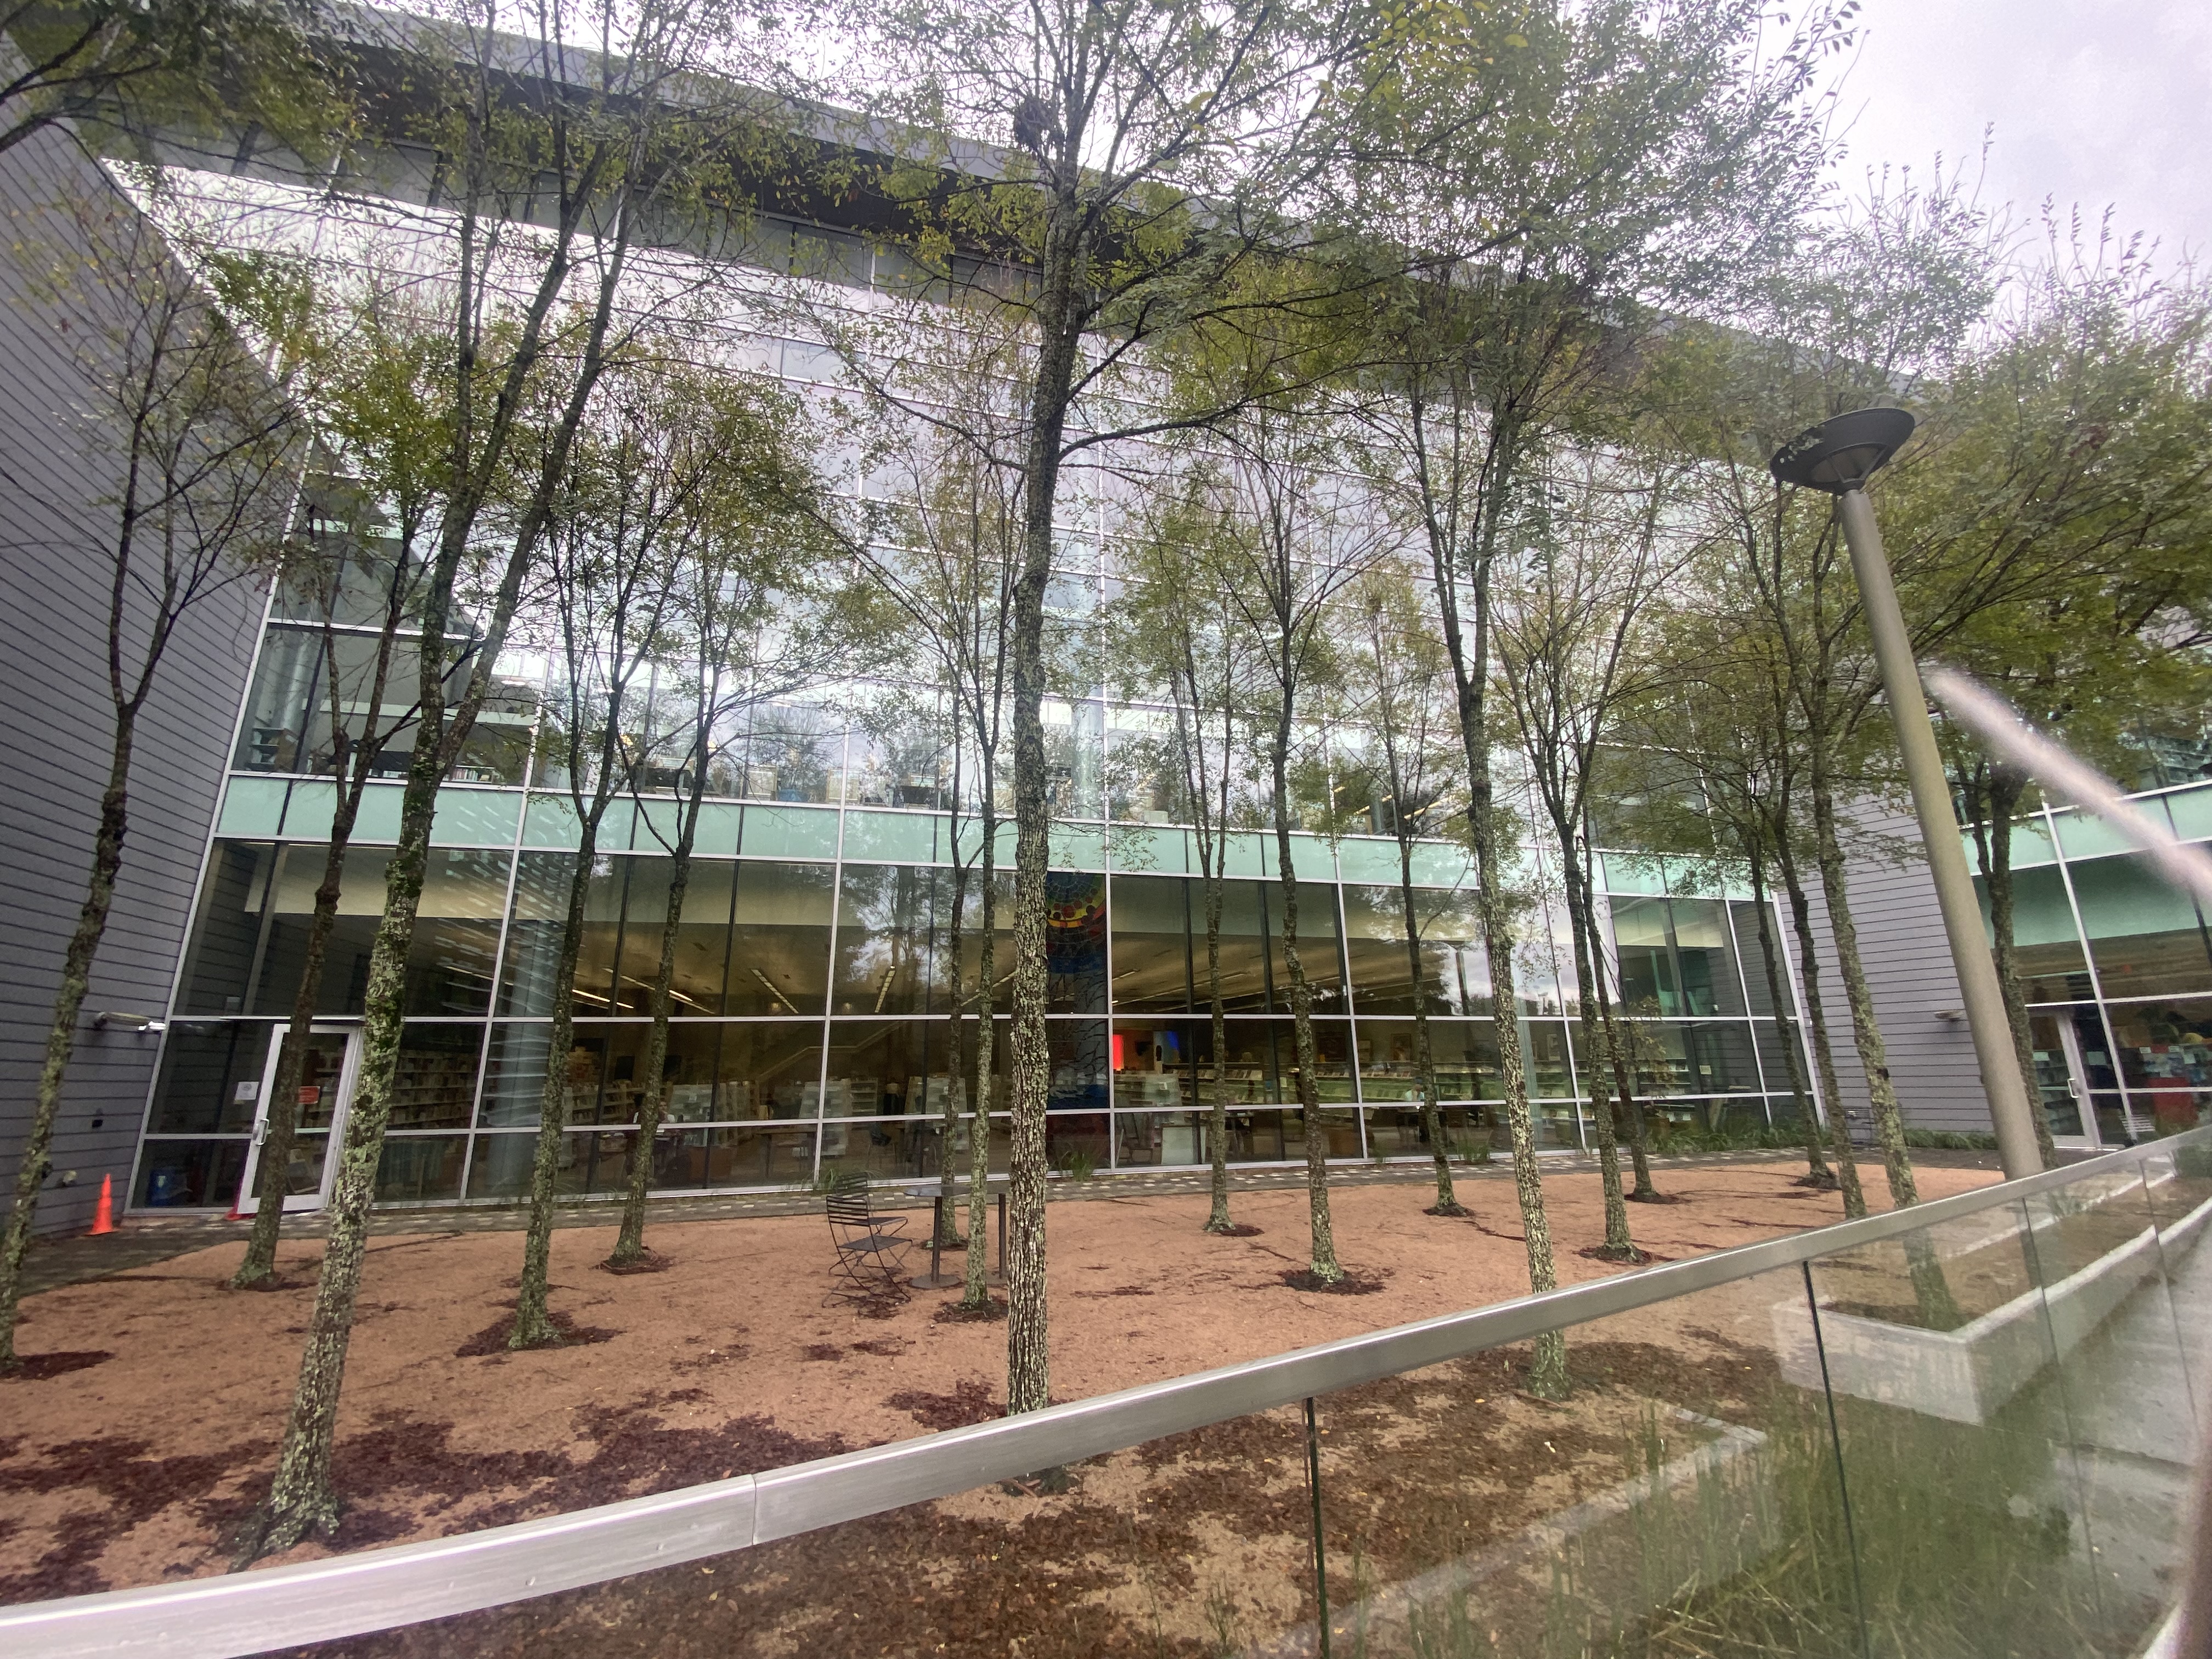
x,y
780,942
2046,947
2147,936
885,1068
533,940
795,752
1317,947
1464,1053
449,962
434,1086
1708,965
1648,985
1244,951
1158,1063
417,1169
1746,916
2165,1058
189,1174
1154,941
211,1077
1075,942
887,958
220,963
702,936
1080,1055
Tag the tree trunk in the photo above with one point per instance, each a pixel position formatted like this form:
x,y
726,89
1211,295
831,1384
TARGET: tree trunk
x,y
61,1031
533,1323
1618,1246
1866,1031
629,1241
1639,1134
281,1119
1217,1217
976,1294
303,1499
1817,1172
1646,1191
2007,784
1547,1371
1027,1362
1323,1262
1824,1053
1432,1124
947,1217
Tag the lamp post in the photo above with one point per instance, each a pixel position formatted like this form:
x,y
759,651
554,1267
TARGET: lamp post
x,y
1838,457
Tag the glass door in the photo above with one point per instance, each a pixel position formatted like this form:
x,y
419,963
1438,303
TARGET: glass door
x,y
2058,1077
326,1088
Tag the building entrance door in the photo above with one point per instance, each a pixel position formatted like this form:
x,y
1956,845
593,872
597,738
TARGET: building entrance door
x,y
326,1077
2063,1091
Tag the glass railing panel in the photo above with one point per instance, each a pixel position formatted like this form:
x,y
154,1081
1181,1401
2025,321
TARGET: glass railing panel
x,y
2120,1380
1680,1496
2179,1181
1198,1543
1967,1510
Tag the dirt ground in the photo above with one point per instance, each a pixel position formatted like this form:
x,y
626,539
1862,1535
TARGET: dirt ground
x,y
133,1462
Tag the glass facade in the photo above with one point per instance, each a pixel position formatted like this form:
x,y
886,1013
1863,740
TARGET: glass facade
x,y
812,984
2118,965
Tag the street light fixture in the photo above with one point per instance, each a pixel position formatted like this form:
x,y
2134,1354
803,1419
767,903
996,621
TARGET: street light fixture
x,y
1837,457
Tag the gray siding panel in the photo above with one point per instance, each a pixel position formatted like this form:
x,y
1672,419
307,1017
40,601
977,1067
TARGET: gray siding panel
x,y
56,725
1908,968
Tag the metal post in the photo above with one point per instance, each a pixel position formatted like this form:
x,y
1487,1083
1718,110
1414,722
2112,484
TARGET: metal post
x,y
1002,1233
1939,829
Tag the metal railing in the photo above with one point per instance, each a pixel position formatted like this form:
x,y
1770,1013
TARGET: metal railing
x,y
381,1589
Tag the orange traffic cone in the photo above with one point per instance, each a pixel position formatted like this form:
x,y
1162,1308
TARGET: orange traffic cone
x,y
103,1216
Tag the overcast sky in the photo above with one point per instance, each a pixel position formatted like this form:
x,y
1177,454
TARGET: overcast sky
x,y
2094,101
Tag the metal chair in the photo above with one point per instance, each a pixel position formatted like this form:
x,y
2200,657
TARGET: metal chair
x,y
871,1247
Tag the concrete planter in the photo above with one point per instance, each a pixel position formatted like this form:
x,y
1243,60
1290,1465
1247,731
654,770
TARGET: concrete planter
x,y
1966,1374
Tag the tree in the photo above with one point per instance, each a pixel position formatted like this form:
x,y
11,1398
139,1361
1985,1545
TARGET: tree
x,y
750,618
1299,532
2075,431
203,450
1568,650
1874,298
1396,660
1716,770
1596,164
1157,149
615,543
79,61
1178,637
531,315
377,406
951,576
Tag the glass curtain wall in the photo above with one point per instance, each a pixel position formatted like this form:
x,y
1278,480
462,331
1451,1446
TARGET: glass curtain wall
x,y
2117,966
812,985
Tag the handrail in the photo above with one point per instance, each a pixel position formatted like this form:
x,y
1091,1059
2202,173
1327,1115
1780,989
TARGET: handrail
x,y
404,1584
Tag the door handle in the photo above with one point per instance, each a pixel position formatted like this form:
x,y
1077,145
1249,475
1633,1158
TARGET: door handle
x,y
261,1131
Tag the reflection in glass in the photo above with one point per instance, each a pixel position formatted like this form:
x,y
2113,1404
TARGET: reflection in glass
x,y
210,1081
419,1169
779,939
1159,943
1454,979
2147,939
